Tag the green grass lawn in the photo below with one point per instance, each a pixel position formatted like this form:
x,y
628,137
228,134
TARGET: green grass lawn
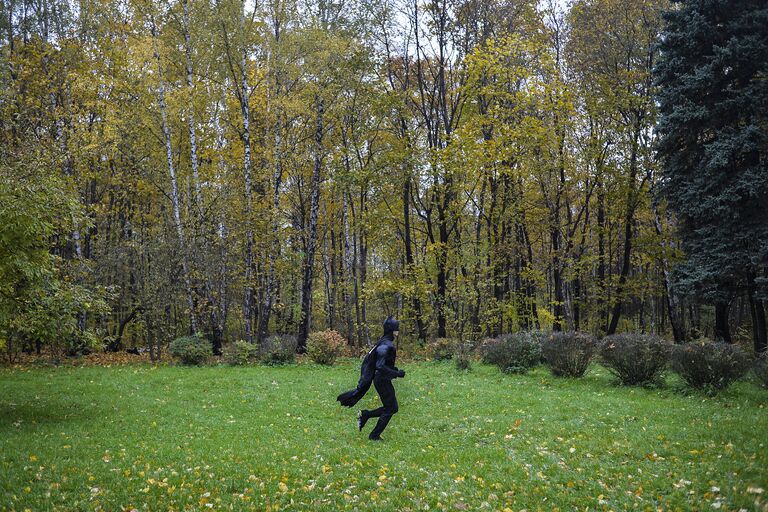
x,y
261,438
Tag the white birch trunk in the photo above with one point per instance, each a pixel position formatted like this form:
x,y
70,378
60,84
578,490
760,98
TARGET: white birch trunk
x,y
247,166
306,289
174,187
191,114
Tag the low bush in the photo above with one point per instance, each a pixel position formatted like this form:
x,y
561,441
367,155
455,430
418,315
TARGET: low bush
x,y
513,353
191,350
463,355
324,347
567,354
240,353
278,349
710,366
761,369
463,363
636,359
441,349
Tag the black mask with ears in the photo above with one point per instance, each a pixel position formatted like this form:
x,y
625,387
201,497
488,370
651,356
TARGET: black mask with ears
x,y
391,325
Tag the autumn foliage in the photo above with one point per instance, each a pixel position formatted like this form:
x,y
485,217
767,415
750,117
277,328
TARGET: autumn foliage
x,y
324,347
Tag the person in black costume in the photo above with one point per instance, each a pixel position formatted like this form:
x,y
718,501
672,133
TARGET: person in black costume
x,y
385,371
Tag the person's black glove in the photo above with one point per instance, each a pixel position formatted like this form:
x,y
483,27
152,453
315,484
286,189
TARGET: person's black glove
x,y
401,373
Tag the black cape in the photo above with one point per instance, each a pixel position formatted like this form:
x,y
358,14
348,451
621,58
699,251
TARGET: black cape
x,y
367,370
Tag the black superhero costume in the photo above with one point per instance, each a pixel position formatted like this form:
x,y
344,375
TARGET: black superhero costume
x,y
378,367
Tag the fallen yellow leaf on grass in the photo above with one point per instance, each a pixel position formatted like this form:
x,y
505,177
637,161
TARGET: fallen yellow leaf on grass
x,y
282,487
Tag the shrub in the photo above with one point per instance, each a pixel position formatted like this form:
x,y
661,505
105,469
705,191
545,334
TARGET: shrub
x,y
278,349
761,369
192,350
240,353
463,363
462,356
441,349
487,350
707,365
513,353
325,346
567,354
636,359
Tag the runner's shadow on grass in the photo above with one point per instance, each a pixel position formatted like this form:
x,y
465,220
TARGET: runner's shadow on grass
x,y
25,416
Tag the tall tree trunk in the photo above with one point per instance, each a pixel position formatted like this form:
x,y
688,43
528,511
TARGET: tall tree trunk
x,y
271,284
363,332
722,328
576,304
442,277
350,297
528,282
628,222
478,270
601,227
758,319
306,287
530,287
269,292
557,244
222,304
761,338
191,112
61,139
174,188
557,278
248,308
625,266
421,329
331,278
202,250
672,302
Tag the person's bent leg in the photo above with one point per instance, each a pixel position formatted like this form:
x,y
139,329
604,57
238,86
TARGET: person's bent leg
x,y
380,426
387,393
375,413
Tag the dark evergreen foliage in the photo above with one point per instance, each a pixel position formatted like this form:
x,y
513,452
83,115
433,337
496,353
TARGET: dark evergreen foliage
x,y
713,127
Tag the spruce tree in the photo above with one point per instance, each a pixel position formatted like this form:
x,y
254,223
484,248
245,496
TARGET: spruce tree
x,y
713,128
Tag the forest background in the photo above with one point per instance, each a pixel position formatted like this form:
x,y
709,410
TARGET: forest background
x,y
238,170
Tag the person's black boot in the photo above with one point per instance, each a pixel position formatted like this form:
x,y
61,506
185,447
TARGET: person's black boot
x,y
377,438
362,419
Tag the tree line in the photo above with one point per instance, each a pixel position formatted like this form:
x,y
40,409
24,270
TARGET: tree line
x,y
241,169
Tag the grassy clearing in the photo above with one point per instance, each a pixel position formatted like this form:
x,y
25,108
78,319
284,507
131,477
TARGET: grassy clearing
x,y
264,438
